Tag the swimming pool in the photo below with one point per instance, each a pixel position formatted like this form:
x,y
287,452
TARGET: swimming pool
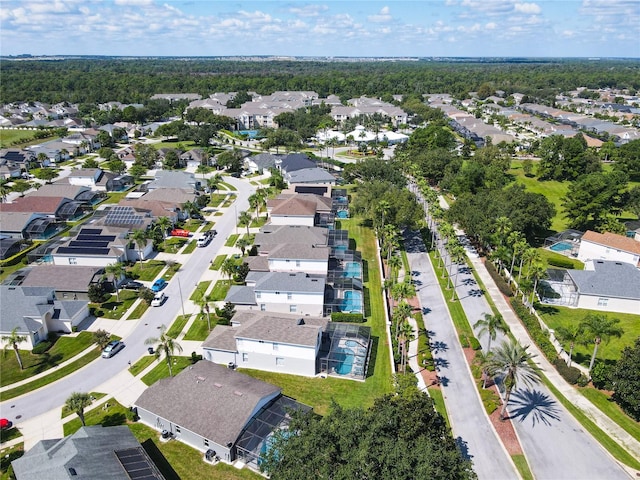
x,y
249,133
561,246
352,270
343,358
352,302
342,214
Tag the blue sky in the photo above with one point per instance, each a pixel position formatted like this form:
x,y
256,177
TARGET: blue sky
x,y
551,28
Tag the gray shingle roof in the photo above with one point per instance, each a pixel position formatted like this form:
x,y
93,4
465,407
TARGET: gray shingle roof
x,y
241,295
22,307
208,399
89,451
284,329
609,279
309,175
72,278
16,221
290,282
299,251
277,234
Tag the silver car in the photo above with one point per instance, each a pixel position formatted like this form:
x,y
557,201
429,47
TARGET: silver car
x,y
112,348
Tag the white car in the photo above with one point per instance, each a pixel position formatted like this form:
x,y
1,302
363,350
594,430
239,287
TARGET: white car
x,y
158,299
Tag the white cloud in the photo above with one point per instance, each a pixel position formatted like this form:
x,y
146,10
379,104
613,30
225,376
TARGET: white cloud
x,y
527,8
309,10
135,3
382,17
491,26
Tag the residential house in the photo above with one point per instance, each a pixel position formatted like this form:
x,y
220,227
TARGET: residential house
x,y
315,176
18,157
300,257
174,179
78,193
223,413
95,452
99,180
292,211
9,170
280,343
280,292
633,229
27,225
194,158
34,312
10,247
261,163
56,208
71,282
609,246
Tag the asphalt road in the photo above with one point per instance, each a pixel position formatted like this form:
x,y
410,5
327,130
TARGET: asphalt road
x,y
87,379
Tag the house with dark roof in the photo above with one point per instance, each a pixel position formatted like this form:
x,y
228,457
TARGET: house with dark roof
x,y
260,163
56,208
25,225
309,176
221,412
280,292
293,161
174,179
95,452
71,282
35,311
292,211
609,246
274,342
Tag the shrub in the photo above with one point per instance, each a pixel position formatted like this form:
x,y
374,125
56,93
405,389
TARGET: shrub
x,y
475,344
560,262
601,376
500,283
535,331
490,400
570,374
583,381
42,347
464,341
347,317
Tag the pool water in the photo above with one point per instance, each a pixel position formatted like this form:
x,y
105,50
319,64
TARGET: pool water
x,y
352,270
344,357
342,214
352,302
561,246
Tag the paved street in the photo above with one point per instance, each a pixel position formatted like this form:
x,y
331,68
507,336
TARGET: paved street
x,y
87,379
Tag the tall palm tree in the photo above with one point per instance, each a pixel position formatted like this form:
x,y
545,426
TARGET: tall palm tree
x,y
254,202
513,361
214,182
457,253
228,267
491,325
536,272
394,264
403,310
140,237
164,345
164,224
244,220
572,334
243,243
77,402
597,329
205,308
502,229
13,340
519,248
115,271
482,359
383,208
529,256
406,334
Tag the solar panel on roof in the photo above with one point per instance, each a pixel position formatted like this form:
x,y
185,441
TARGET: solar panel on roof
x,y
90,231
137,464
83,251
96,238
75,243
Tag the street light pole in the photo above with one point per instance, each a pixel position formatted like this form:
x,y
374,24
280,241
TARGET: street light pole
x,y
181,300
235,209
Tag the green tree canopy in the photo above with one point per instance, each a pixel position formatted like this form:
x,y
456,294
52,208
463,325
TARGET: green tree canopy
x,y
626,380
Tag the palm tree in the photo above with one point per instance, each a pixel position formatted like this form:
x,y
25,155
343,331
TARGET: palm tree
x,y
457,254
530,256
394,264
77,402
189,207
403,290
4,191
502,229
244,219
598,328
482,359
228,267
140,237
519,248
165,345
491,325
406,334
214,182
383,207
204,308
13,340
243,243
164,224
513,361
536,272
115,271
403,310
571,334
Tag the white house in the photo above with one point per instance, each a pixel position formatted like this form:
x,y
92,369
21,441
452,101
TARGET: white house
x,y
34,312
280,292
609,246
299,258
292,211
280,343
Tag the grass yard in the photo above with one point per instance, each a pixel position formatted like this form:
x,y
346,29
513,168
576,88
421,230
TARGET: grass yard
x,y
174,244
162,369
183,145
521,464
177,326
190,248
18,136
62,350
147,271
199,329
8,455
438,401
604,402
114,309
231,240
138,311
217,262
219,291
141,364
216,199
228,186
108,414
200,291
548,256
185,462
258,222
9,434
557,316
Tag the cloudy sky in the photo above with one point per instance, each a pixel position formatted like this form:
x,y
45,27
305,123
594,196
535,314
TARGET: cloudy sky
x,y
425,28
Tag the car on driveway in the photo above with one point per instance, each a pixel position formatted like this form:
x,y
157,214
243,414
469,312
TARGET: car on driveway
x,y
112,348
158,299
180,232
133,285
158,285
5,423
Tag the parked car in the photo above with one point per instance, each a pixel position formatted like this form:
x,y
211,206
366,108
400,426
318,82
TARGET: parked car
x,y
112,348
158,285
203,241
180,232
133,285
196,216
158,299
5,423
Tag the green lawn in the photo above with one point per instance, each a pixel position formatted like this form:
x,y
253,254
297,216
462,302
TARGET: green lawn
x,y
108,414
7,455
185,462
114,309
548,255
231,241
200,291
557,316
604,402
228,186
147,271
174,244
17,136
9,434
258,222
217,262
141,364
438,401
52,377
184,145
219,291
162,369
63,349
216,199
177,326
523,467
138,311
190,248
199,329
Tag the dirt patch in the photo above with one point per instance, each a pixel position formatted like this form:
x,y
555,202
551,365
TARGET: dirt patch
x,y
506,432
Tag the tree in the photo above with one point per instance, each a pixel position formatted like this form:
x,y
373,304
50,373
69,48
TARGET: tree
x,y
21,186
406,335
77,402
146,294
214,182
206,309
14,339
96,293
115,271
633,201
164,224
400,437
164,345
47,174
90,163
244,220
457,254
599,328
536,272
394,263
115,165
140,237
4,191
572,334
242,244
101,338
228,267
514,362
491,325
626,380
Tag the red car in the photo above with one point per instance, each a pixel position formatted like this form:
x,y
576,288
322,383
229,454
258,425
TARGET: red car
x,y
179,232
4,423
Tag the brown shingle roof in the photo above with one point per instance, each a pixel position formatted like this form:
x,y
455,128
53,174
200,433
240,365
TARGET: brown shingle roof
x,y
613,240
48,205
292,206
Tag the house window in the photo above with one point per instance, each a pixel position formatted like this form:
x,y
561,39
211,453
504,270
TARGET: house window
x,y
297,263
206,442
263,307
258,294
276,347
289,296
279,361
245,357
603,302
293,308
177,429
73,261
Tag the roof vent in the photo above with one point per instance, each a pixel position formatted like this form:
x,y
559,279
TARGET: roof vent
x,y
219,385
201,379
300,321
72,471
238,393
